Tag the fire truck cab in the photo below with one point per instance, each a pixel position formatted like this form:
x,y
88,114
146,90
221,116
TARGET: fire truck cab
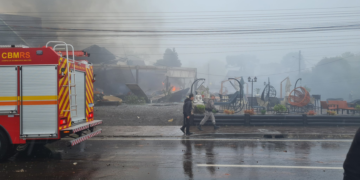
x,y
44,96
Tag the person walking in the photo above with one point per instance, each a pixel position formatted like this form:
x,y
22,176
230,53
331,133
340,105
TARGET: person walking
x,y
188,114
209,108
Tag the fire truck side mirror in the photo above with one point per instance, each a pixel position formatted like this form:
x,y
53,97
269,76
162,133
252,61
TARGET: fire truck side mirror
x,y
94,79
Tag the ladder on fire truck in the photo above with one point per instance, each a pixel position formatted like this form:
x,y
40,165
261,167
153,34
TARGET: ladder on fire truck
x,y
71,74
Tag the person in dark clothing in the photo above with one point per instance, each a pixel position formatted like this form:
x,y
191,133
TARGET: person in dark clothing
x,y
188,114
352,162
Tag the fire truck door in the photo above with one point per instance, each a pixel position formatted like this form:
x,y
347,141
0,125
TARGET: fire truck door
x,y
39,101
8,89
80,97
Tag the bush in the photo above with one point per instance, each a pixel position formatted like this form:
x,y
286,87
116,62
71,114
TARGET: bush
x,y
332,113
311,113
199,109
357,107
132,99
279,108
229,111
263,112
250,112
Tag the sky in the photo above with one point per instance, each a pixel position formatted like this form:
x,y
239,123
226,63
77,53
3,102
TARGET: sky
x,y
205,31
269,47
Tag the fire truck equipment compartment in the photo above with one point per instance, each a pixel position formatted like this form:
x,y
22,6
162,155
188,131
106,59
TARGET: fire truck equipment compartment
x,y
80,97
8,92
39,101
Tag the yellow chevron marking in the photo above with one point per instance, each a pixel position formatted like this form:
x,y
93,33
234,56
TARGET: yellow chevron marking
x,y
64,87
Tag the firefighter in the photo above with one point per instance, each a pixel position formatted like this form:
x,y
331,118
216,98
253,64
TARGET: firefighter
x,y
188,114
209,108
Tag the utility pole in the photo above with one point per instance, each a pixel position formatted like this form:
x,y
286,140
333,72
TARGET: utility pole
x,y
299,61
252,90
208,75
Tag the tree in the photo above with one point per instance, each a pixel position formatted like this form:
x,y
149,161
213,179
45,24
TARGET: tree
x,y
170,59
331,77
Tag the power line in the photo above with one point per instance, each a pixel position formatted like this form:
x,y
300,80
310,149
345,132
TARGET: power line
x,y
230,16
199,32
136,12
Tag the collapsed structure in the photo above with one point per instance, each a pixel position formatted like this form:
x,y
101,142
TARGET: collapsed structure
x,y
154,81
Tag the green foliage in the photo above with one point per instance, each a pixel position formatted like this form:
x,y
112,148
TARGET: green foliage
x,y
332,113
132,99
263,112
357,107
279,108
199,109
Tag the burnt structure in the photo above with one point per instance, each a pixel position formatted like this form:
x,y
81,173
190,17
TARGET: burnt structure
x,y
112,79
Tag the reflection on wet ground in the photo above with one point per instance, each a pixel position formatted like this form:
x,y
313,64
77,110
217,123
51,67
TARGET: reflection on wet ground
x,y
176,159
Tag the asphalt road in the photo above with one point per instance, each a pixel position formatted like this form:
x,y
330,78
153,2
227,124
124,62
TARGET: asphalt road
x,y
181,158
144,115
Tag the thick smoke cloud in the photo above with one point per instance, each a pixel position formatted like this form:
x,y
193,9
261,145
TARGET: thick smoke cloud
x,y
87,14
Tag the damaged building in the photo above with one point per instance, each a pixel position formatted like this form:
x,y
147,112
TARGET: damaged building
x,y
114,75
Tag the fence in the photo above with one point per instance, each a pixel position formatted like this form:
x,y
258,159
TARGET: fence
x,y
289,120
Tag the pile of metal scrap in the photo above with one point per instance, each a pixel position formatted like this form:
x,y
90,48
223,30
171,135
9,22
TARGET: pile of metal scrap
x,y
177,96
101,100
137,91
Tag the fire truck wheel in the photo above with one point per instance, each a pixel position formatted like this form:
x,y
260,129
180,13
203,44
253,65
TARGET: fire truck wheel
x,y
4,146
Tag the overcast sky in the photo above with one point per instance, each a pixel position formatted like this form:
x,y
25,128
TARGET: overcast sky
x,y
237,27
281,14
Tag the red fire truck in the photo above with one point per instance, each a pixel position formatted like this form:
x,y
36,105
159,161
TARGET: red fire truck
x,y
44,96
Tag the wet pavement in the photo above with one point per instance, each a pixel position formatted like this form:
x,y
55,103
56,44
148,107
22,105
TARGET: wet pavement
x,y
144,115
306,132
181,158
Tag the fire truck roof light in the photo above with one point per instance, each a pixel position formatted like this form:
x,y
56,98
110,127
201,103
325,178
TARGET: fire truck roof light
x,y
11,46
